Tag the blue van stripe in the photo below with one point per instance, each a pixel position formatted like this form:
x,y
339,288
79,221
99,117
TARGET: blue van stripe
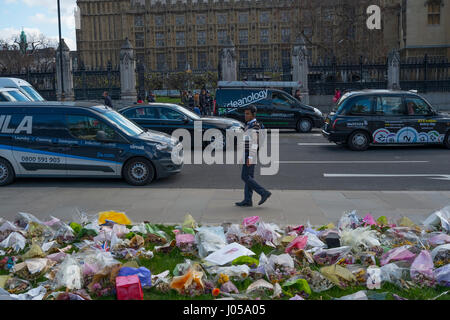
x,y
54,154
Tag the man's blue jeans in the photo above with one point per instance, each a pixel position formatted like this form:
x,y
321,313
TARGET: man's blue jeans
x,y
248,175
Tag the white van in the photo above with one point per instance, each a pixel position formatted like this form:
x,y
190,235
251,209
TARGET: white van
x,y
24,87
12,95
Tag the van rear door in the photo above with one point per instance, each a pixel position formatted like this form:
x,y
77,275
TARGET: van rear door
x,y
5,139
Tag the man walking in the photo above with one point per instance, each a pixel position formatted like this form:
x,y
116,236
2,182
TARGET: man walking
x,y
251,149
203,102
298,95
108,101
209,103
191,101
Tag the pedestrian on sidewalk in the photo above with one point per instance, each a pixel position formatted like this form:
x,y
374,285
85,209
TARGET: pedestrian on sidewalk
x,y
251,136
209,103
298,95
203,102
191,102
108,101
337,95
151,97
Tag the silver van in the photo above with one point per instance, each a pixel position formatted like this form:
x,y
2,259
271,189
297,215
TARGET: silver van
x,y
23,86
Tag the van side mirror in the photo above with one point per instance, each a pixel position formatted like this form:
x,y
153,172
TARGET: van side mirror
x,y
186,119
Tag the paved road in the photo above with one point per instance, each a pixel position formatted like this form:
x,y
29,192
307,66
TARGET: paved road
x,y
307,162
308,187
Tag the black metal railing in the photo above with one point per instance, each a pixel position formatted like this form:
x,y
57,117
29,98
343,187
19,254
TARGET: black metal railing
x,y
90,84
423,74
43,81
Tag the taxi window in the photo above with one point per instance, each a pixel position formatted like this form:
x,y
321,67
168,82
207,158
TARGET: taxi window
x,y
390,106
417,107
142,113
3,98
86,128
361,106
168,114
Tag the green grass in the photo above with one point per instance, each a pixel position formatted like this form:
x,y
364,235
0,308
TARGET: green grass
x,y
4,272
390,289
162,262
168,100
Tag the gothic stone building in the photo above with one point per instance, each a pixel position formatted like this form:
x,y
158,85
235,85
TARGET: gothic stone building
x,y
171,35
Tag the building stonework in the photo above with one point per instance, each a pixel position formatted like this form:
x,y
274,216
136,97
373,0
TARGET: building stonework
x,y
176,35
425,28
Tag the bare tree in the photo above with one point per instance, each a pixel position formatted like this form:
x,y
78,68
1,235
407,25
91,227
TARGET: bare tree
x,y
39,54
336,29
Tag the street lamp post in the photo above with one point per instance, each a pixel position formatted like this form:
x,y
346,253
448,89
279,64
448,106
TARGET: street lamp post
x,y
60,51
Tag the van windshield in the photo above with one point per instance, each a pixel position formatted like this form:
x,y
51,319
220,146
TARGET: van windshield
x,y
123,123
32,93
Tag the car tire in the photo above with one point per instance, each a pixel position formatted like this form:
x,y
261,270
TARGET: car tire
x,y
304,125
359,141
139,172
447,140
7,174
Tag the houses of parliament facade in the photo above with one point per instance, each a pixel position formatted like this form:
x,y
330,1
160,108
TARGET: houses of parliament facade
x,y
176,35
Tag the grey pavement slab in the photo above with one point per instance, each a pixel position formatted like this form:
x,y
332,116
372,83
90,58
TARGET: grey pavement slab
x,y
217,206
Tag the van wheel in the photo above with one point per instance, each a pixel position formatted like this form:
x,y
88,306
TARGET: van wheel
x,y
7,174
304,125
138,172
359,141
447,140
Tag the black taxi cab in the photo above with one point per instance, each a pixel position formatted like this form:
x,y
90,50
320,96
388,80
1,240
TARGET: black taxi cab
x,y
376,117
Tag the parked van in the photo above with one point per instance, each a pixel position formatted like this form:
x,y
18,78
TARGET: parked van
x,y
12,95
54,139
24,87
276,108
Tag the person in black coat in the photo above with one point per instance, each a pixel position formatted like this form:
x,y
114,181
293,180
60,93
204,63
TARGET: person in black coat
x,y
108,100
191,101
203,101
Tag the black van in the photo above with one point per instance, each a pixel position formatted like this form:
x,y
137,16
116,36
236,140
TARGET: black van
x,y
52,139
386,117
276,108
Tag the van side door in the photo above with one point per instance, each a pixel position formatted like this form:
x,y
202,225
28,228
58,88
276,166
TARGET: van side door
x,y
96,147
41,152
283,112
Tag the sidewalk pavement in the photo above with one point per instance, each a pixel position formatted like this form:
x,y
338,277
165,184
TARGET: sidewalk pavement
x,y
216,206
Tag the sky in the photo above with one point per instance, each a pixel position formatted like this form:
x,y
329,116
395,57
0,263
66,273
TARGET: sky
x,y
36,17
